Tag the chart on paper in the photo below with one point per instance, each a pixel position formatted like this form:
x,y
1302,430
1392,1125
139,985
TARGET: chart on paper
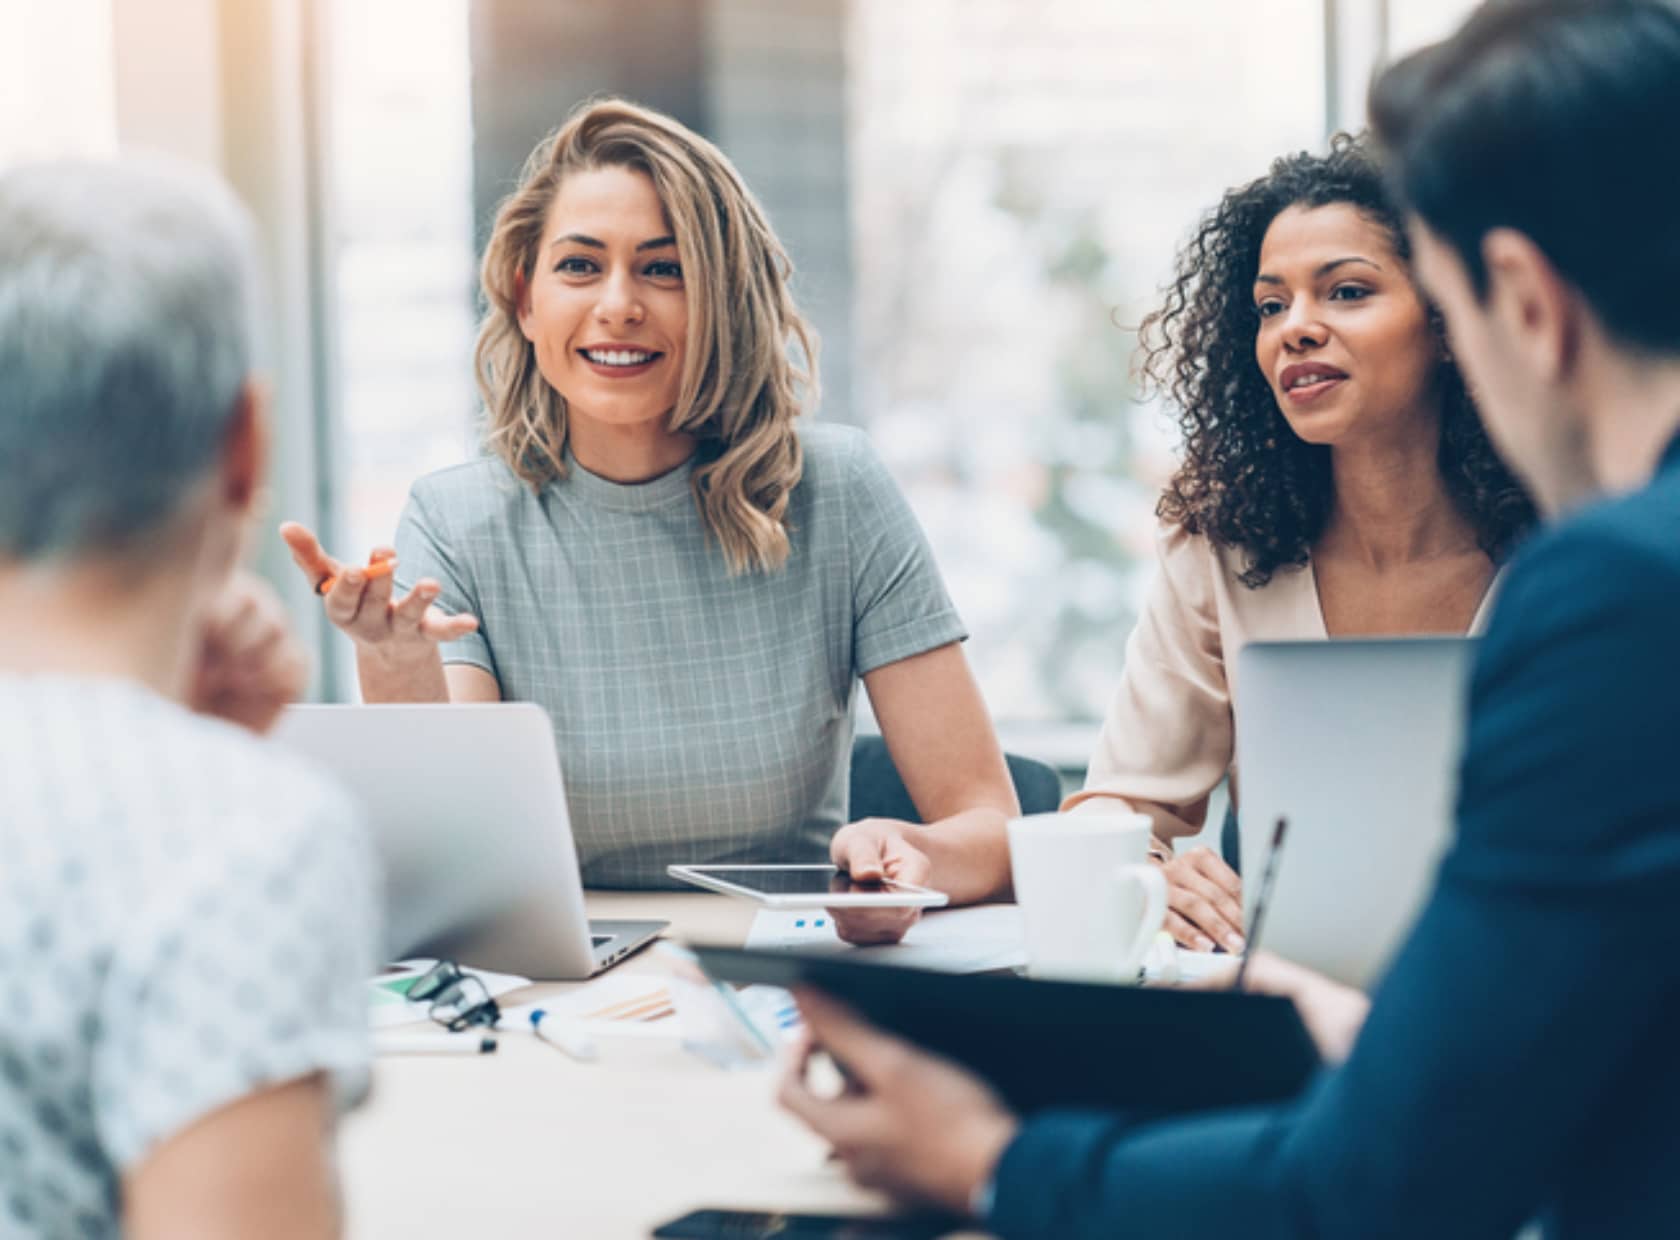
x,y
619,1005
964,940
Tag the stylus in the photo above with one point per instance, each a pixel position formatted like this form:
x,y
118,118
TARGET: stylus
x,y
1260,898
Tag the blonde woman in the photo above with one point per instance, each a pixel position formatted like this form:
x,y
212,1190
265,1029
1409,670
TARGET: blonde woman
x,y
654,550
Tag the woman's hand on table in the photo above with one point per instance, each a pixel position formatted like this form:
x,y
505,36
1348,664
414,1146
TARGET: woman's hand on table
x,y
1204,901
871,850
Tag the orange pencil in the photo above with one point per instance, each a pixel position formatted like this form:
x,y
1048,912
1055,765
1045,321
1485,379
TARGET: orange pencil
x,y
378,566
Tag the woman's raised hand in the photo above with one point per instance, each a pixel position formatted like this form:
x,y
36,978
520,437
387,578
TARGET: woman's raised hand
x,y
359,599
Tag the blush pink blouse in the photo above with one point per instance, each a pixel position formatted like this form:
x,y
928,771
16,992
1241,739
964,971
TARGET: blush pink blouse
x,y
1169,738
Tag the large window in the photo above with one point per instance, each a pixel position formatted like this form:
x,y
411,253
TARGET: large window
x,y
402,271
983,197
57,85
1021,175
404,275
1015,176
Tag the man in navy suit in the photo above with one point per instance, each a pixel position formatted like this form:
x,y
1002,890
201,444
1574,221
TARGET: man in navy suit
x,y
1517,1062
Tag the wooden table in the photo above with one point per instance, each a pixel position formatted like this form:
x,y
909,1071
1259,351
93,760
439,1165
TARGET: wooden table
x,y
527,1143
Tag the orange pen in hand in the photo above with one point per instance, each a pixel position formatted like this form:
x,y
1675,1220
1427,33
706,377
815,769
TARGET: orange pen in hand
x,y
380,565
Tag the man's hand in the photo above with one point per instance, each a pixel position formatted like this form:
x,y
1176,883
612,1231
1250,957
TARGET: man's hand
x,y
871,850
908,1123
1204,901
249,665
1333,1013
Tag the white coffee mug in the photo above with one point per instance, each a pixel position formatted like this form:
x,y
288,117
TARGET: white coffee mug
x,y
1090,899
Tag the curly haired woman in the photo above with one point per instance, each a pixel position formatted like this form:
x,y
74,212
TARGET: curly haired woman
x,y
1336,482
688,582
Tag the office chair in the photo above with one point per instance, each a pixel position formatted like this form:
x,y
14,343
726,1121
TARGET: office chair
x,y
878,792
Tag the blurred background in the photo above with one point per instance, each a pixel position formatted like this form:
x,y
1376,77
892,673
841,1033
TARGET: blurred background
x,y
982,198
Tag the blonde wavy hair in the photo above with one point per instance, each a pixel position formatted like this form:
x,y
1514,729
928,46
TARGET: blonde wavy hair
x,y
741,387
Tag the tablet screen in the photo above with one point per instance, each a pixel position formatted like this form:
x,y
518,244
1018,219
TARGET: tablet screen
x,y
795,881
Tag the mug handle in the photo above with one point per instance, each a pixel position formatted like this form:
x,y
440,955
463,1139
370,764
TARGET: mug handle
x,y
1154,884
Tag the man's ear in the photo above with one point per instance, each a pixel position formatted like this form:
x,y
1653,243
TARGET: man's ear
x,y
245,449
1535,307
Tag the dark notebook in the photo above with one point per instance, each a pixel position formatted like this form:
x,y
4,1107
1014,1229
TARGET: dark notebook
x,y
1043,1044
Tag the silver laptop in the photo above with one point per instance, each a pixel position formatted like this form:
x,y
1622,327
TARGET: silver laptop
x,y
469,815
1357,742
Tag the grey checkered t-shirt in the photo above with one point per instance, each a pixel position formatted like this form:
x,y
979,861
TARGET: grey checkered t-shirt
x,y
187,917
700,717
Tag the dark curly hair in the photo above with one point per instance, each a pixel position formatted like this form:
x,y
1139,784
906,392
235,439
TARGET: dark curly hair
x,y
1247,480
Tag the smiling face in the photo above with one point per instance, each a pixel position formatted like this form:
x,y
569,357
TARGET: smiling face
x,y
605,308
1344,337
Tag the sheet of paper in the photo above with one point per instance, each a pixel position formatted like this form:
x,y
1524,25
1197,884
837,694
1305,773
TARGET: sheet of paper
x,y
959,940
1198,966
1167,964
617,1005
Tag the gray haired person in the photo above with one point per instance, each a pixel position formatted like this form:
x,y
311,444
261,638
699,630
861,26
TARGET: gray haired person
x,y
187,918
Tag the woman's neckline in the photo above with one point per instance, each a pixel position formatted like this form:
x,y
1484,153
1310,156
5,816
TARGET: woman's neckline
x,y
603,492
1478,621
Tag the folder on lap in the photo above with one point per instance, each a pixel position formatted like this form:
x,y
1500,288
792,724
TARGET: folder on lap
x,y
1051,1043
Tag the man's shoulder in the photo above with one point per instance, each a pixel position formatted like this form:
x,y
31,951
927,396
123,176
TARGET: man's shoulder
x,y
266,763
149,780
268,830
1616,556
264,799
1644,524
1568,777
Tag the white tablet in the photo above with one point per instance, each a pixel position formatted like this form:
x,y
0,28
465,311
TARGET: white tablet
x,y
805,886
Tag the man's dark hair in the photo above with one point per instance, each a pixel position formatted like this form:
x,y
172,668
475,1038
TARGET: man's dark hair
x,y
1559,119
